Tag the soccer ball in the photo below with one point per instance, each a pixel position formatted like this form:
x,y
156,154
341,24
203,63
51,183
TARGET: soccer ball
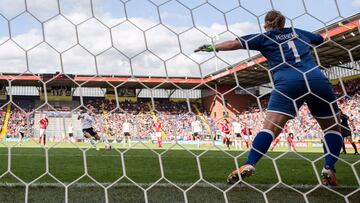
x,y
107,146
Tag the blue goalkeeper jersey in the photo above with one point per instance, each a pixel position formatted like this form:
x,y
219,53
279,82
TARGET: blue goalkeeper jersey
x,y
296,48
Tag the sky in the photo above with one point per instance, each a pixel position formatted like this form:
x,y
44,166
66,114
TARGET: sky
x,y
142,37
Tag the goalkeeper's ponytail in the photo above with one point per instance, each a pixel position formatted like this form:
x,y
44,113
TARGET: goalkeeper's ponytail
x,y
274,19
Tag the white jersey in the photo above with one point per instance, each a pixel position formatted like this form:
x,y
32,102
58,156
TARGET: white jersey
x,y
17,129
126,127
357,128
237,127
70,129
86,121
196,126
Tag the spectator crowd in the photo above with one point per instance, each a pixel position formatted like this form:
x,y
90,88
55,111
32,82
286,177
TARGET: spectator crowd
x,y
176,117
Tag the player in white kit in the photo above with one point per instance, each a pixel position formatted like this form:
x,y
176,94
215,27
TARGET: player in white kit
x,y
196,128
126,128
87,127
236,126
70,132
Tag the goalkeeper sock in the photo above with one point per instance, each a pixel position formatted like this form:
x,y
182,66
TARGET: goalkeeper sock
x,y
334,141
261,143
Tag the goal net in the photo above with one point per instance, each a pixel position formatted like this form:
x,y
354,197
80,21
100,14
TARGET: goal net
x,y
127,72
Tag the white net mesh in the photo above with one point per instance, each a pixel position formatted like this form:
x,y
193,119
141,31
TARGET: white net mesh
x,y
131,64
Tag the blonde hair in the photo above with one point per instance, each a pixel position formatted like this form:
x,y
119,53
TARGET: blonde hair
x,y
274,19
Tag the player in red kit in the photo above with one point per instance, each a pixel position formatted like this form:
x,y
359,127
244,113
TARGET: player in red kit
x,y
225,132
277,139
44,122
246,134
290,141
157,130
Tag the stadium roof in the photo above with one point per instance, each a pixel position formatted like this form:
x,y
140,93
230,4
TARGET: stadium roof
x,y
345,34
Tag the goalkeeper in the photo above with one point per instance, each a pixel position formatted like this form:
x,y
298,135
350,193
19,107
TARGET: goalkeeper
x,y
293,70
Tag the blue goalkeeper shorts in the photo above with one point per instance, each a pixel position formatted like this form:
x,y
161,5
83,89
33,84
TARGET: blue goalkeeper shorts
x,y
290,95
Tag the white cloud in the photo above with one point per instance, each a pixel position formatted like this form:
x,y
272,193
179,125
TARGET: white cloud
x,y
78,61
113,62
61,35
11,8
76,11
181,66
43,9
146,64
29,39
356,3
12,58
43,59
128,39
93,31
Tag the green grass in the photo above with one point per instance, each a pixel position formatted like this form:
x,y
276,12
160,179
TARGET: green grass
x,y
182,167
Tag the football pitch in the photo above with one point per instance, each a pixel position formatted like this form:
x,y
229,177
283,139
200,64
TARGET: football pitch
x,y
172,174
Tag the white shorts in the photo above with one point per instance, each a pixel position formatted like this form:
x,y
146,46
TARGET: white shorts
x,y
42,132
158,134
224,135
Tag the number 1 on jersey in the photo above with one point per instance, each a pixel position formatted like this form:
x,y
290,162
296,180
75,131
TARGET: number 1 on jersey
x,y
292,46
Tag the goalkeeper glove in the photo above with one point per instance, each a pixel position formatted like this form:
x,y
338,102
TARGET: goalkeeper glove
x,y
206,47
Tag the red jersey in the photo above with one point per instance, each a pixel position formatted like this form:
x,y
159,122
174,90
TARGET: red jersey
x,y
285,130
225,128
43,123
246,131
157,127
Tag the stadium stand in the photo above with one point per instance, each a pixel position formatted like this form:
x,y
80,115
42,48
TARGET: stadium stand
x,y
169,113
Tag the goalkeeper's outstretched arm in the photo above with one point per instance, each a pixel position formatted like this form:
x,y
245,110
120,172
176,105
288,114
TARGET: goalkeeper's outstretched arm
x,y
223,46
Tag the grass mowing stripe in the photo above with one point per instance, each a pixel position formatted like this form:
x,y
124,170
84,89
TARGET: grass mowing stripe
x,y
182,185
180,167
118,155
